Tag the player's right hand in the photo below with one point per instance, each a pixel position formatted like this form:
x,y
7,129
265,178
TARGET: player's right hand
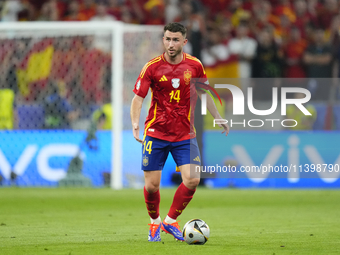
x,y
135,131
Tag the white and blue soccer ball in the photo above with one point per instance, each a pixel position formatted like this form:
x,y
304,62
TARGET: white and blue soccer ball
x,y
196,231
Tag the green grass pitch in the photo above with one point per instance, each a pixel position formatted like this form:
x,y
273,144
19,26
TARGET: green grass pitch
x,y
102,221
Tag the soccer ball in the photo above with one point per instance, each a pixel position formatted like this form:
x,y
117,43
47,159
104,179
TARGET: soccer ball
x,y
196,231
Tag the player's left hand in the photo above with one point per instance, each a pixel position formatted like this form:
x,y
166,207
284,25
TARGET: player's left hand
x,y
225,128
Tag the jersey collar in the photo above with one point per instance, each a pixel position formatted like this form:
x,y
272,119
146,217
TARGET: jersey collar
x,y
170,63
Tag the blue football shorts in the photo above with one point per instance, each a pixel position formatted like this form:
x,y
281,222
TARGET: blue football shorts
x,y
155,152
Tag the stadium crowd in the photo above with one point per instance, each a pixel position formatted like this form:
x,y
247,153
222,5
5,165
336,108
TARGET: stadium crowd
x,y
268,39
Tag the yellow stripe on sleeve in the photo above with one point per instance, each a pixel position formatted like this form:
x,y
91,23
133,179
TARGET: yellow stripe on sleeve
x,y
197,60
149,64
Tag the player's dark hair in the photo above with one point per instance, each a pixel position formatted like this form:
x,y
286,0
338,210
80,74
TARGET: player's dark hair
x,y
176,27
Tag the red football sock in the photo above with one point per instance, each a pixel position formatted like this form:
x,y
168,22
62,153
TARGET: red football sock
x,y
182,198
152,201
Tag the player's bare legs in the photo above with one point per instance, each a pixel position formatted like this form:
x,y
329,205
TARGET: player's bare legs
x,y
182,197
152,200
191,179
152,180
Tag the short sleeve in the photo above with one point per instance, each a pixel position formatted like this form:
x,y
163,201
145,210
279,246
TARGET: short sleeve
x,y
143,82
202,80
201,72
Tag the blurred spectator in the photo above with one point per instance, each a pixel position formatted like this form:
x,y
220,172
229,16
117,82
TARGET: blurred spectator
x,y
305,122
7,106
226,29
303,17
215,51
154,12
103,116
114,9
333,34
318,61
244,47
64,63
58,113
215,7
171,10
12,54
195,25
73,13
18,55
318,56
282,32
88,9
293,53
237,12
6,53
309,32
102,14
312,6
102,39
126,15
326,13
334,39
93,64
11,9
49,11
268,59
135,8
263,17
266,64
284,8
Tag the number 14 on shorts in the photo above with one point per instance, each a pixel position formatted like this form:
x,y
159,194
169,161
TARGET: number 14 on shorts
x,y
147,147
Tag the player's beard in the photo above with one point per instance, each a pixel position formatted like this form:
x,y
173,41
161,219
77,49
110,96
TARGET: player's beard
x,y
175,53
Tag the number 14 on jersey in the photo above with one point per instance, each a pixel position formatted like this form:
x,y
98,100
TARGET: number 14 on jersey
x,y
175,94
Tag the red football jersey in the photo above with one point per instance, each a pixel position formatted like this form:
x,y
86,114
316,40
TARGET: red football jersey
x,y
173,97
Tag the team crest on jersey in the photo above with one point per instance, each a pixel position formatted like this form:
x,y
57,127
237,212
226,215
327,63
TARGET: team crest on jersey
x,y
145,161
138,85
187,77
175,82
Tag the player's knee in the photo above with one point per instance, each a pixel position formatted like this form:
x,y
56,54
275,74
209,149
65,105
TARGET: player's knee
x,y
192,183
152,187
195,182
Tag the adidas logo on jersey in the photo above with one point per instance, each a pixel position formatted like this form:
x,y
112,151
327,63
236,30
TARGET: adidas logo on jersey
x,y
197,159
163,78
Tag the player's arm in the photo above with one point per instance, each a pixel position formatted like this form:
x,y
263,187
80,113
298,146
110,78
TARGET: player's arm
x,y
213,111
136,107
141,90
